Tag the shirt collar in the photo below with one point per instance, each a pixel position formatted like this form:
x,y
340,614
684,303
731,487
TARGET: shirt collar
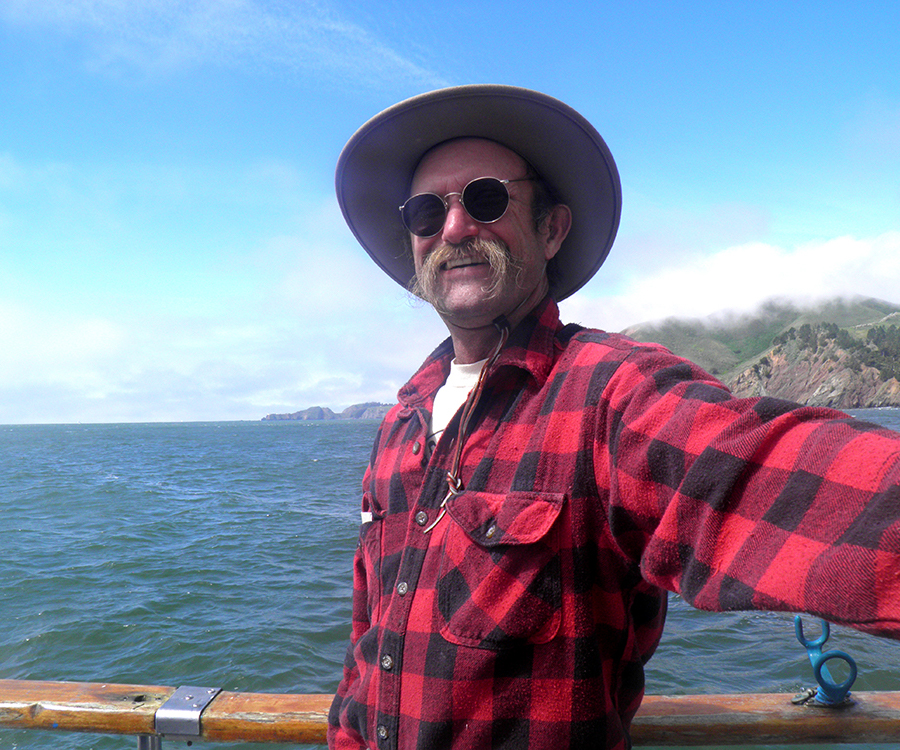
x,y
533,344
532,347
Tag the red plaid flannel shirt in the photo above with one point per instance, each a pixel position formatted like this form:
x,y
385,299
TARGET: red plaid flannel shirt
x,y
598,473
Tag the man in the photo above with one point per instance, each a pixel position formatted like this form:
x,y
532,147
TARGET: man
x,y
539,487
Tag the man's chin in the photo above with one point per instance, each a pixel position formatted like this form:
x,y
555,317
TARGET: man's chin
x,y
462,309
459,296
457,308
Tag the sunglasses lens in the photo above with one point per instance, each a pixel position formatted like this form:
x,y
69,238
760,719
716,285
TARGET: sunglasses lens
x,y
486,200
424,214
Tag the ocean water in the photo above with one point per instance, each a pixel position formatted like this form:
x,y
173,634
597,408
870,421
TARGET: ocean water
x,y
220,554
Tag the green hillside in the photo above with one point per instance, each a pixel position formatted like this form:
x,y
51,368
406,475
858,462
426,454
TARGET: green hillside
x,y
725,343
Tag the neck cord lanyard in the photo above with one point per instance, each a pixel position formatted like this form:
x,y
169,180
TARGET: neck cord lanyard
x,y
454,481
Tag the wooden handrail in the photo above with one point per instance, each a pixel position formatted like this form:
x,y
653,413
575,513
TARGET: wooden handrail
x,y
687,720
131,709
764,719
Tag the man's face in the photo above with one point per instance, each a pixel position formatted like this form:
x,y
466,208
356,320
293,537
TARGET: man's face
x,y
465,289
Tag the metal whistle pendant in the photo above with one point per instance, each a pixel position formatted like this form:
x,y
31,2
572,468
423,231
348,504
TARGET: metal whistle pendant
x,y
454,488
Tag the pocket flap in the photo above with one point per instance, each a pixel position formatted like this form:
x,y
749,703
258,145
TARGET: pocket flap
x,y
492,519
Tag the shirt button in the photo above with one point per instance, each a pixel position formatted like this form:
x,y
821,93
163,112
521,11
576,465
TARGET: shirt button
x,y
382,732
387,663
421,518
402,588
492,529
417,448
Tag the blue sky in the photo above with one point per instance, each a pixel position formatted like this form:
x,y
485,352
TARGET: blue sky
x,y
170,245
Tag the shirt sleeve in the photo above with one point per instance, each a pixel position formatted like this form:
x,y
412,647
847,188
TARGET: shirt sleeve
x,y
750,503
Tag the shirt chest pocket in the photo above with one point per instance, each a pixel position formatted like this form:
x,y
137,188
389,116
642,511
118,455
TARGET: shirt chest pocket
x,y
499,581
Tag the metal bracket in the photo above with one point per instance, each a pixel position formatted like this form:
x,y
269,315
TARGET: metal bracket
x,y
179,716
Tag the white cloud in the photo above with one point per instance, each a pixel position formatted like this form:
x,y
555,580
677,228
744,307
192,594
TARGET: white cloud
x,y
334,332
306,35
739,278
50,348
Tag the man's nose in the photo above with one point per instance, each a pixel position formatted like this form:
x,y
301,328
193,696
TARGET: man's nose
x,y
458,226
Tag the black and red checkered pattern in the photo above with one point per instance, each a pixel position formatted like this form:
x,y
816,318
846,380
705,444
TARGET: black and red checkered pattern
x,y
599,473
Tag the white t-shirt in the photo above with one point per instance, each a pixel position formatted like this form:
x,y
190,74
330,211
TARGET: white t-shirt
x,y
452,395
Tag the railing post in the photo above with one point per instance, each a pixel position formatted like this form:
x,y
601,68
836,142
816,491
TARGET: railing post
x,y
149,742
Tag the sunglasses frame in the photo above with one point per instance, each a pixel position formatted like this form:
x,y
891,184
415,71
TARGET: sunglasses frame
x,y
460,193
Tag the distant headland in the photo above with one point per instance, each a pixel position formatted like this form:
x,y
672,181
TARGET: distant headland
x,y
369,410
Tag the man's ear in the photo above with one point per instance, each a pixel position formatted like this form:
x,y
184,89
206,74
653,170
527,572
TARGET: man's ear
x,y
556,229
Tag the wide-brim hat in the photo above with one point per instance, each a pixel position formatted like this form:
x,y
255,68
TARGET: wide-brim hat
x,y
375,170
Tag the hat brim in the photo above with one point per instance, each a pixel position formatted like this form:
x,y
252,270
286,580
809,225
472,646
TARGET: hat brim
x,y
376,166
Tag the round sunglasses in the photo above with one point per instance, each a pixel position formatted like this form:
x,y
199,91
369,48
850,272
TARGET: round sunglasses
x,y
485,199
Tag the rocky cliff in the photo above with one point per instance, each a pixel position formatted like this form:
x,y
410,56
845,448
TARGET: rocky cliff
x,y
828,376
